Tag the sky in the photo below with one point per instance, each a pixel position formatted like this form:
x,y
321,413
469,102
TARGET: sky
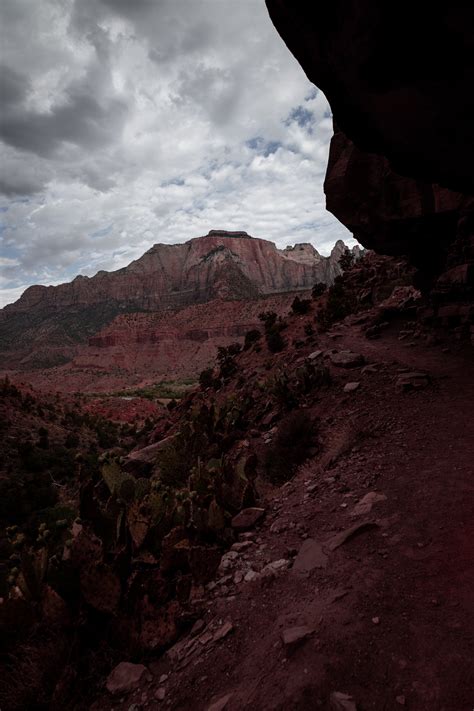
x,y
126,123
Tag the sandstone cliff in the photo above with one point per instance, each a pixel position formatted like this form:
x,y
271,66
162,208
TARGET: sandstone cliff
x,y
46,325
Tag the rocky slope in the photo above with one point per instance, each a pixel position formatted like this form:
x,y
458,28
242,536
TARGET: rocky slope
x,y
46,324
139,349
343,582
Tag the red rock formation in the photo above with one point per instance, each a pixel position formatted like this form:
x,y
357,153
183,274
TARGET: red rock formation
x,y
399,80
46,324
219,265
391,213
398,76
137,349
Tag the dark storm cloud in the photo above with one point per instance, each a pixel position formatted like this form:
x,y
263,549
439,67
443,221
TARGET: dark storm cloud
x,y
22,186
14,87
87,113
214,90
81,120
127,122
132,9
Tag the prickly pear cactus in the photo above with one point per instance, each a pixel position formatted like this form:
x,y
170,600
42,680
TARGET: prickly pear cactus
x,y
237,490
114,477
139,522
126,490
215,518
142,488
32,573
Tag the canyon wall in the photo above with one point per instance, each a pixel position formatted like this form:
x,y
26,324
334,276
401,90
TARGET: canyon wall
x,y
49,325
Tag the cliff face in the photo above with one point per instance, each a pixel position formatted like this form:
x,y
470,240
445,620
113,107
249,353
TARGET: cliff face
x,y
136,349
46,324
398,76
219,265
391,213
400,169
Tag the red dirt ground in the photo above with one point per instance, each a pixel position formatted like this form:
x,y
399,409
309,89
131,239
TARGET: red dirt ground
x,y
392,610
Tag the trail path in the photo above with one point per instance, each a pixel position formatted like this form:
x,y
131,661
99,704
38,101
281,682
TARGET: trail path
x,y
388,615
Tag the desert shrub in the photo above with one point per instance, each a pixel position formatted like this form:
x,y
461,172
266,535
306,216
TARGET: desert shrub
x,y
300,306
226,359
234,349
311,376
8,389
346,260
318,289
283,391
273,326
338,304
295,436
268,318
251,337
275,341
206,378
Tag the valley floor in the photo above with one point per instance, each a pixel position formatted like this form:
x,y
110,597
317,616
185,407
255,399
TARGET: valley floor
x,y
387,613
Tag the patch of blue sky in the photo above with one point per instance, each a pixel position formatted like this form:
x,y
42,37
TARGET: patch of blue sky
x,y
303,117
8,250
263,147
103,232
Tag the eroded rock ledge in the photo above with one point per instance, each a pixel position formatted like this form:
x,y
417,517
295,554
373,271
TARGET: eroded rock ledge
x,y
399,80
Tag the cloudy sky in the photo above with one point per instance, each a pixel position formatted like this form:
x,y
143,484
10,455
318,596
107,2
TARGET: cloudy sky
x,y
129,122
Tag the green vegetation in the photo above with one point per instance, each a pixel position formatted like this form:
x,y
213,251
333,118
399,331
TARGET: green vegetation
x,y
273,325
346,260
163,390
296,434
206,378
339,304
300,306
251,337
318,289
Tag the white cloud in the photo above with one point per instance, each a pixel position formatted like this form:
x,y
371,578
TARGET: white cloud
x,y
134,123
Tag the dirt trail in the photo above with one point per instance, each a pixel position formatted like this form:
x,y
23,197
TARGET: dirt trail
x,y
389,611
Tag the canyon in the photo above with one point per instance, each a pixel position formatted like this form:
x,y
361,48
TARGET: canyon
x,y
164,315
296,532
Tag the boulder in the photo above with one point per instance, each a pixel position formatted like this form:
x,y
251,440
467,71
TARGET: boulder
x,y
223,631
412,381
364,506
125,677
351,387
346,359
340,538
338,701
294,636
220,704
247,518
310,556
